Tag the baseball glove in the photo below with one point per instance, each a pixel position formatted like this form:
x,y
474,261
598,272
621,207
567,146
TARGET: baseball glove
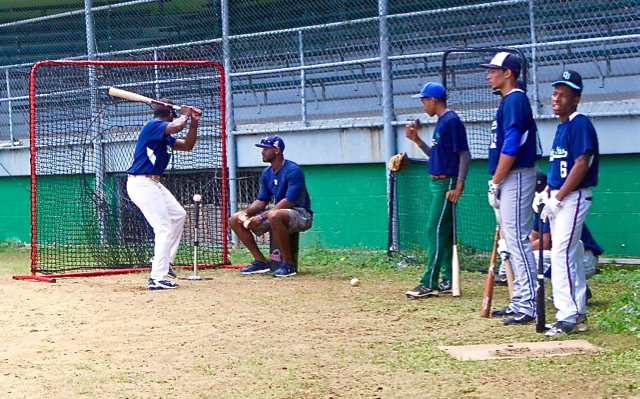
x,y
396,162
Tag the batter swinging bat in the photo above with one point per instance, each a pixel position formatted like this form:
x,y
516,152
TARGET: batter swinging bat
x,y
127,95
455,262
487,295
540,316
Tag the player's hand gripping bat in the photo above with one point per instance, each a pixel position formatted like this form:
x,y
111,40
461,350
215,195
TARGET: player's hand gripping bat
x,y
487,295
127,95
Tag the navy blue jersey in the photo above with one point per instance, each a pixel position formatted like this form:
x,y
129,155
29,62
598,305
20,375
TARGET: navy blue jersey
x,y
449,138
573,138
151,156
514,115
288,182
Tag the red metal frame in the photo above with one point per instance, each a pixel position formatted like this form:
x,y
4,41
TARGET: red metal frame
x,y
32,149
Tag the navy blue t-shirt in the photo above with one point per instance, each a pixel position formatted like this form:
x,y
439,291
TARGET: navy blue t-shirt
x,y
514,112
573,138
288,182
151,156
449,138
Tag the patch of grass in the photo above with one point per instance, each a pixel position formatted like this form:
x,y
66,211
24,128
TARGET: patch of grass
x,y
14,258
622,313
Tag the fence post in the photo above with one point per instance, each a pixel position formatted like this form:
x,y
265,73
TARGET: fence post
x,y
6,73
389,141
303,79
389,134
95,116
230,123
534,59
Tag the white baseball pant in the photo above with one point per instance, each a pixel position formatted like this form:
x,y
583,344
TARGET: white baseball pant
x,y
516,197
165,215
568,277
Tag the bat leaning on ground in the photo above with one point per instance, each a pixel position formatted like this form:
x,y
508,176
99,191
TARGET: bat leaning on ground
x,y
128,95
455,261
487,294
540,316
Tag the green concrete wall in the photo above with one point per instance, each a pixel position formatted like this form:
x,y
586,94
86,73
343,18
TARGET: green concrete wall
x,y
15,209
350,206
614,217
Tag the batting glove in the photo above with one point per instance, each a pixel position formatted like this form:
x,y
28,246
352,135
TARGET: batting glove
x,y
502,250
493,194
551,208
539,199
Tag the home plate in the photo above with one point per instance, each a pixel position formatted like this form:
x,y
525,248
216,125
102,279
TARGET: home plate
x,y
519,349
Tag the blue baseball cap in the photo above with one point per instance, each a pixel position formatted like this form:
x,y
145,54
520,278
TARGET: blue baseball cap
x,y
432,90
504,60
571,79
271,141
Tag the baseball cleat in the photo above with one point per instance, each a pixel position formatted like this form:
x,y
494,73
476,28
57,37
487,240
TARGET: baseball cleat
x,y
161,284
581,324
445,287
504,312
519,318
256,268
285,270
171,273
560,328
420,292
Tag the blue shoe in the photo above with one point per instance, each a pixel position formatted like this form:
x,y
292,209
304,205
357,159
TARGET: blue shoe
x,y
519,318
161,284
171,273
285,270
256,268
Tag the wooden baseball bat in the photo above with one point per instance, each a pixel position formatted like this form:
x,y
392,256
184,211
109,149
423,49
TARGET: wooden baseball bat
x,y
455,261
131,96
487,294
540,316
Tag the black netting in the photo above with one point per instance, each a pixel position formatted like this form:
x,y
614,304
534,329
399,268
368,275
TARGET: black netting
x,y
84,145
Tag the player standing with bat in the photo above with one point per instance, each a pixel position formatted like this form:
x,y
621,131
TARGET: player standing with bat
x,y
512,156
573,170
163,212
448,165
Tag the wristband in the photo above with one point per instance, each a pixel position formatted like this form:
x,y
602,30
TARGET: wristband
x,y
261,218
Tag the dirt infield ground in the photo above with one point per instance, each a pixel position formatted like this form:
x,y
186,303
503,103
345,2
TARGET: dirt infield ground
x,y
312,336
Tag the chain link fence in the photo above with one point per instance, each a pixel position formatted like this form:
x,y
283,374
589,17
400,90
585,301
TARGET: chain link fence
x,y
319,61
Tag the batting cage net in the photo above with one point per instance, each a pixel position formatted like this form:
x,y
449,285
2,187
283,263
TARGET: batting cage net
x,y
82,143
469,95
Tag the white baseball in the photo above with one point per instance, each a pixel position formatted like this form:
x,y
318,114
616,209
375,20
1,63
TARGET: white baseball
x,y
197,198
246,223
354,282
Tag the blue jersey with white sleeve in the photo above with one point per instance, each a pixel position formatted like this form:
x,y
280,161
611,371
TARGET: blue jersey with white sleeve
x,y
449,138
573,138
288,182
514,132
151,156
